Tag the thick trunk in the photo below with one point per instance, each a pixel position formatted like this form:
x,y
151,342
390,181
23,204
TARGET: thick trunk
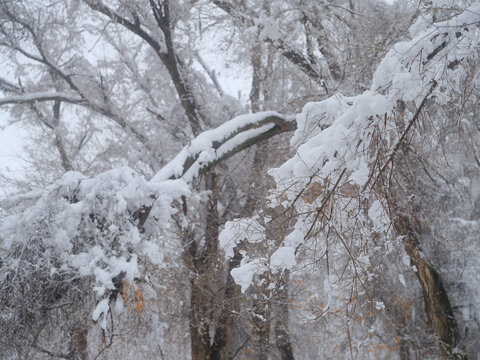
x,y
282,334
199,332
224,333
78,343
199,314
437,304
204,309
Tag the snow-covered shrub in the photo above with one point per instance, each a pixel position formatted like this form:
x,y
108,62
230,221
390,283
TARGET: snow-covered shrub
x,y
78,235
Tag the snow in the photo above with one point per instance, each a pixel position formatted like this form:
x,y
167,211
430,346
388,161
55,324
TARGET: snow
x,y
240,229
294,239
334,136
379,305
71,213
243,275
241,138
343,146
316,116
283,258
118,307
336,146
361,174
102,308
377,215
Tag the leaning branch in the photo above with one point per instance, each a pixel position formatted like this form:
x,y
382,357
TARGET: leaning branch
x,y
291,54
214,146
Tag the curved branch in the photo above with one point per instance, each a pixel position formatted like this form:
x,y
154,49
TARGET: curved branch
x,y
214,146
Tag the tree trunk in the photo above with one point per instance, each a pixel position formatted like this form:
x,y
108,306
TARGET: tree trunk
x,y
261,319
256,61
78,342
205,282
437,304
224,333
282,334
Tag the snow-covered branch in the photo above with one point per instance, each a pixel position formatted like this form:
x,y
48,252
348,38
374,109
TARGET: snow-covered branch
x,y
214,146
39,97
336,137
109,205
292,54
165,50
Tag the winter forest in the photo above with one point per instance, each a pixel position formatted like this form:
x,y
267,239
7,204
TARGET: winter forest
x,y
328,210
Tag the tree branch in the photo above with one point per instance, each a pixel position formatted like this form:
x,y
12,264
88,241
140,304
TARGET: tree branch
x,y
210,73
40,97
6,85
291,54
214,146
165,52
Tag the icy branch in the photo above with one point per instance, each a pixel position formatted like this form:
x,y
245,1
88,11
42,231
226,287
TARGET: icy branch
x,y
134,27
39,97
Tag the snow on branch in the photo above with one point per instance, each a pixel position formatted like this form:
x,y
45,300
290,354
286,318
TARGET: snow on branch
x,y
345,143
411,72
292,54
135,27
39,97
92,228
213,146
85,228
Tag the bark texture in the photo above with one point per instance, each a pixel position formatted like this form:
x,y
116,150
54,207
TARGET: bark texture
x,y
437,304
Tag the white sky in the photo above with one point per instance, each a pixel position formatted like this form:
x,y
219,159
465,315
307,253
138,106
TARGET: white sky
x,y
11,142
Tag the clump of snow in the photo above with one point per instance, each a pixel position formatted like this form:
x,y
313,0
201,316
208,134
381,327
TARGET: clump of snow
x,y
243,275
101,309
283,258
240,229
295,238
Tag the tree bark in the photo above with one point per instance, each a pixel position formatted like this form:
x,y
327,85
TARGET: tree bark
x,y
282,334
78,343
205,282
256,61
224,333
437,303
